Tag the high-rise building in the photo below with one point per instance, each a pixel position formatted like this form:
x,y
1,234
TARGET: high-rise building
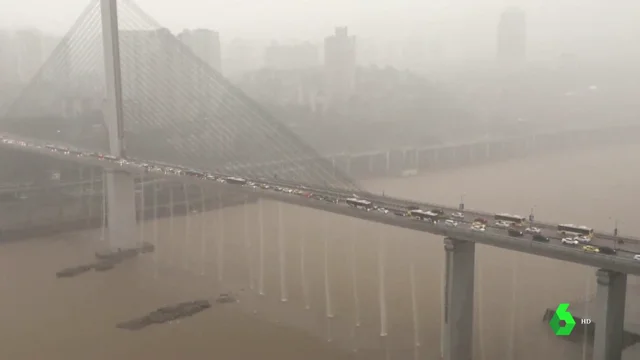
x,y
298,56
204,43
340,65
512,37
243,55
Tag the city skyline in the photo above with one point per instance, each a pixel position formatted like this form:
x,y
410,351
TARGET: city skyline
x,y
468,28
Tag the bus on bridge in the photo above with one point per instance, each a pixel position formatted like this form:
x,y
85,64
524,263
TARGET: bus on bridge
x,y
513,220
575,230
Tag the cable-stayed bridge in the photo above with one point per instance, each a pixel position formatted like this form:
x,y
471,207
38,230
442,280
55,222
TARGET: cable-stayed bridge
x,y
167,115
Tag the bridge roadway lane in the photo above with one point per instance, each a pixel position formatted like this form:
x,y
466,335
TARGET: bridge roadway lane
x,y
604,239
376,198
623,261
71,185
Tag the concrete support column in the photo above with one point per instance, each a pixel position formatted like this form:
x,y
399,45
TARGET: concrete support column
x,y
121,209
349,165
388,161
458,299
609,315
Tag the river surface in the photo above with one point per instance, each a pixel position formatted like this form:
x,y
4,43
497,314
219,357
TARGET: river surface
x,y
47,318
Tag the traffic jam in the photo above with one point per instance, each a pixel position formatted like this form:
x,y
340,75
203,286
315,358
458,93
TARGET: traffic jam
x,y
514,225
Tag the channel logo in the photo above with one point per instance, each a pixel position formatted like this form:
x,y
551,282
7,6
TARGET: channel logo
x,y
562,314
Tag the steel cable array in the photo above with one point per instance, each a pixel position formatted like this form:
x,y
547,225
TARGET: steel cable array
x,y
177,108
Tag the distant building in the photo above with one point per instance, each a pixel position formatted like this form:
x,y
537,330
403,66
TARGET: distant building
x,y
288,57
512,37
242,56
339,65
204,43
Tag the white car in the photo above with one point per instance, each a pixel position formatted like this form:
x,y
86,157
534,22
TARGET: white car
x,y
532,230
457,215
478,228
569,241
382,210
502,224
582,239
450,223
636,257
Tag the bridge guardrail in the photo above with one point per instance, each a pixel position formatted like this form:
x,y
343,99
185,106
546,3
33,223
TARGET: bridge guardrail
x,y
396,202
404,203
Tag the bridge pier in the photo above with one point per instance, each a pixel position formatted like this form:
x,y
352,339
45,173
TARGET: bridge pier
x,y
458,299
121,210
609,315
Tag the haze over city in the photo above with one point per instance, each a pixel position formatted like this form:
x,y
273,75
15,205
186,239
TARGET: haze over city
x,y
590,28
319,179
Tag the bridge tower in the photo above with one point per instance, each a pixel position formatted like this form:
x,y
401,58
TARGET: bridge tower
x,y
121,211
609,317
458,299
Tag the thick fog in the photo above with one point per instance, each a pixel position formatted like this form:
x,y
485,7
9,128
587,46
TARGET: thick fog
x,y
592,28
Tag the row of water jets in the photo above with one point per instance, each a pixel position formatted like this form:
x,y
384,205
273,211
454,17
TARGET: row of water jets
x,y
512,353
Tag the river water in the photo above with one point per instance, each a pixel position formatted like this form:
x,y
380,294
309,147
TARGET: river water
x,y
47,318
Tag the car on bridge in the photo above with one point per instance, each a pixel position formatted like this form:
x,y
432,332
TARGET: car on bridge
x,y
607,250
591,249
569,241
458,215
540,238
480,221
532,230
502,224
636,257
582,239
450,223
478,227
515,232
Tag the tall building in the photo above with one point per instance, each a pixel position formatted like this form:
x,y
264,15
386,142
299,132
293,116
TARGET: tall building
x,y
286,57
339,65
512,37
242,56
204,43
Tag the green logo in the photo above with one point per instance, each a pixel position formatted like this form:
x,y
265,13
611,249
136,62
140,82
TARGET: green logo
x,y
562,314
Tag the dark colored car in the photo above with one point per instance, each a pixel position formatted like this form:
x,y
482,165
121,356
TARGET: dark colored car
x,y
540,238
607,250
515,232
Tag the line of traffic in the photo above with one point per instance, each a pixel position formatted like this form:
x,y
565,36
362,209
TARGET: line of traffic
x,y
366,202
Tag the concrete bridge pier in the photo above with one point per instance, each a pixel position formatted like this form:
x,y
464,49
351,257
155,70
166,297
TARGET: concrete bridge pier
x,y
121,210
388,162
458,299
609,317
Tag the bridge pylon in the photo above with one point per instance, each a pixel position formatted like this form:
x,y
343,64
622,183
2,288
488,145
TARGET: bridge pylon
x,y
458,299
121,206
609,315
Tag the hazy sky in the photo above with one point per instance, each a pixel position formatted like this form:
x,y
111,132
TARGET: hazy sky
x,y
569,25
